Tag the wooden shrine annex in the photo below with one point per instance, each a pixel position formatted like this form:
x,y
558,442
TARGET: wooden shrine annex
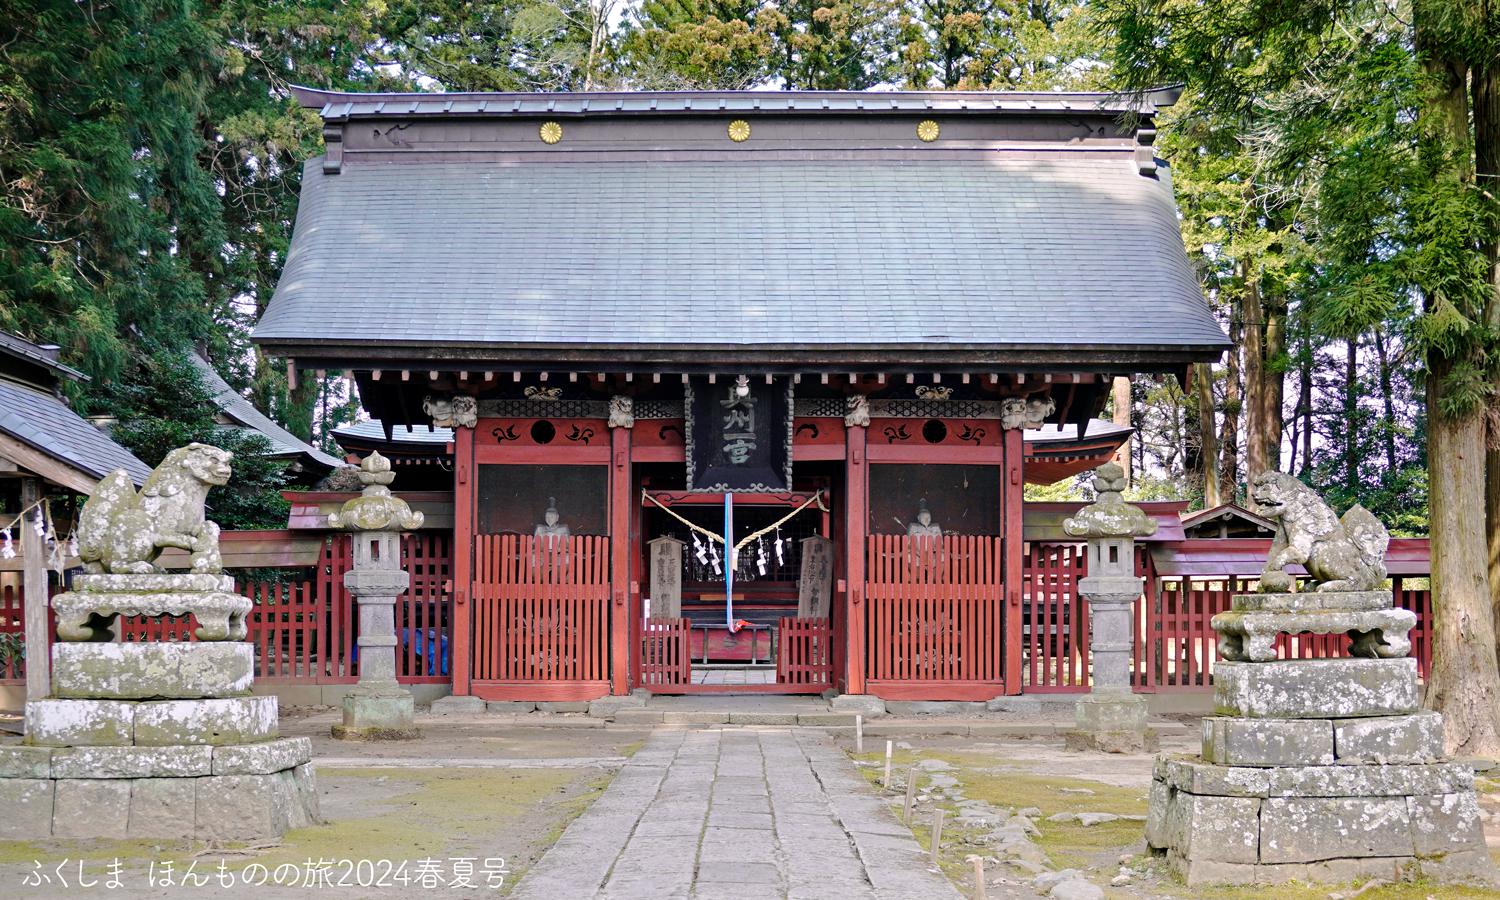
x,y
739,379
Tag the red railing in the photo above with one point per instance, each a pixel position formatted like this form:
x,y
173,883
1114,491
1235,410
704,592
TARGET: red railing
x,y
933,609
12,635
804,654
304,630
541,608
1054,619
665,656
1175,645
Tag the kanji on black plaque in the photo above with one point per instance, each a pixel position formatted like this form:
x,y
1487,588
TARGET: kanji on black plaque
x,y
739,431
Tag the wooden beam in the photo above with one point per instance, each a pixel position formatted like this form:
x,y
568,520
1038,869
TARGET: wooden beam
x,y
45,465
375,375
432,374
1012,490
406,375
291,374
541,376
465,488
856,503
34,594
880,378
620,507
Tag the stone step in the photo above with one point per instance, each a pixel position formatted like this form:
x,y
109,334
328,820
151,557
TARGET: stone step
x,y
1316,688
152,670
1415,738
155,723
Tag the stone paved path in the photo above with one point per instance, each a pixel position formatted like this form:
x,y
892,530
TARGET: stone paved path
x,y
738,813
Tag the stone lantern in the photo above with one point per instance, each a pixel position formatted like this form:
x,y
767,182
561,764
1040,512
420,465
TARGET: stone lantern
x,y
378,708
1110,717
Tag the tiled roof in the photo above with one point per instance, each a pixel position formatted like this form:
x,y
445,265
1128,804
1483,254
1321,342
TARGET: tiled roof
x,y
1051,248
37,354
241,411
47,424
373,430
336,105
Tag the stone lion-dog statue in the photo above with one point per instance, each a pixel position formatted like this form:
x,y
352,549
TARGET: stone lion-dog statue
x,y
1345,554
122,532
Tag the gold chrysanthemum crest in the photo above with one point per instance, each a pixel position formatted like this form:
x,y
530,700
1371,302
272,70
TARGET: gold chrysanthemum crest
x,y
739,130
928,130
550,132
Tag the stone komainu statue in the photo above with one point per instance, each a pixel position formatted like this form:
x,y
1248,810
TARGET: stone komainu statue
x,y
1340,554
122,532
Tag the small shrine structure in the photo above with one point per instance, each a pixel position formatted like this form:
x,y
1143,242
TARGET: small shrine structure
x,y
740,321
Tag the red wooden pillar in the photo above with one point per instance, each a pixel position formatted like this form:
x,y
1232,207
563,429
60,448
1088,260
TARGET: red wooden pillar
x,y
465,488
856,520
619,560
1011,492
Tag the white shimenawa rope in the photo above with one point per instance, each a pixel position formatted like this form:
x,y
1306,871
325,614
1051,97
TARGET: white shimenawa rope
x,y
817,498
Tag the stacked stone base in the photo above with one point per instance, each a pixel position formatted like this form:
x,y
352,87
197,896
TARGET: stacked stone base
x,y
196,760
1317,770
222,792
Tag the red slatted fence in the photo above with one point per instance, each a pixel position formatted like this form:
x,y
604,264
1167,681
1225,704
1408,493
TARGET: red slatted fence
x,y
1054,619
934,615
541,609
1175,646
304,630
804,654
665,652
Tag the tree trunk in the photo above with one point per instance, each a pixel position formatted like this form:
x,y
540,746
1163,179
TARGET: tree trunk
x,y
1484,85
1203,390
1229,428
1305,402
1464,679
1351,413
1389,431
1121,416
1265,342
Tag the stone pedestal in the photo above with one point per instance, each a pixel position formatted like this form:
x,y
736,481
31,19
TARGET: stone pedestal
x,y
154,741
378,709
1111,723
1318,769
1110,718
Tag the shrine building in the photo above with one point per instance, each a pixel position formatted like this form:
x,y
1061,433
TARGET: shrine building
x,y
743,388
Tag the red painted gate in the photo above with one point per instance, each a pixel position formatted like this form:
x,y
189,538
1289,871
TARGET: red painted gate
x,y
934,617
541,617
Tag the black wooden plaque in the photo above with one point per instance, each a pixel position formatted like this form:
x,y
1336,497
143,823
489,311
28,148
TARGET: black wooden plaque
x,y
739,443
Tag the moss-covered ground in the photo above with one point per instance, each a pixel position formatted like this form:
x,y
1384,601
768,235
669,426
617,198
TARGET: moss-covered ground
x,y
1011,780
397,814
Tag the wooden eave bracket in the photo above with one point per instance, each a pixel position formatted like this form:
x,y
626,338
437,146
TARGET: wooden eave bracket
x,y
333,147
1145,154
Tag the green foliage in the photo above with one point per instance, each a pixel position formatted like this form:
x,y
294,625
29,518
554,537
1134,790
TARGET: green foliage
x,y
163,404
1340,117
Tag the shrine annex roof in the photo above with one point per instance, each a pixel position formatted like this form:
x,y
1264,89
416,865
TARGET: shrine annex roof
x,y
1029,232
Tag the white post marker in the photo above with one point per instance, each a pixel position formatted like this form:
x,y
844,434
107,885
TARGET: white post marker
x,y
911,793
937,833
978,878
859,734
887,782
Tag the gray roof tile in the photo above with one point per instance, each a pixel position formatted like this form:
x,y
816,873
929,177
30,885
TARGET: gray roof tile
x,y
243,412
46,423
1071,247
